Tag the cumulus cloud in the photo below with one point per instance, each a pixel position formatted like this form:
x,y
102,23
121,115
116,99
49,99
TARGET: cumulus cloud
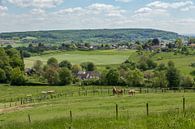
x,y
94,9
109,10
124,1
3,10
166,5
161,8
36,3
38,11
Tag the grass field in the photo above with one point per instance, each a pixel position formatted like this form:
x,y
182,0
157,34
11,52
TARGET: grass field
x,y
96,111
103,57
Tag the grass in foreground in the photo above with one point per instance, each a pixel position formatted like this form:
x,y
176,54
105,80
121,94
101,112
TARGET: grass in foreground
x,y
166,120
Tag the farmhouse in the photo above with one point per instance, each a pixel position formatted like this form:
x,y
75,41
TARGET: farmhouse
x,y
88,75
29,71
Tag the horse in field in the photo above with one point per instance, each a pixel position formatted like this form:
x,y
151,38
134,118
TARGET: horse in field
x,y
131,92
117,91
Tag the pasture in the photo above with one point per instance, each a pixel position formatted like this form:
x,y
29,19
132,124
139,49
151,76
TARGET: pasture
x,y
104,58
95,108
99,57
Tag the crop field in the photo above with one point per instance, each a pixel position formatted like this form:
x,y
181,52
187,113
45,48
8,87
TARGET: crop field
x,y
104,57
94,108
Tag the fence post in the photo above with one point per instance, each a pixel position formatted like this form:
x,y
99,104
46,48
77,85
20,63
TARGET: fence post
x,y
116,111
86,93
70,116
140,90
29,118
147,109
184,101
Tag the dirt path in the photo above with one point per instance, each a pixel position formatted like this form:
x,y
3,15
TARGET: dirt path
x,y
15,108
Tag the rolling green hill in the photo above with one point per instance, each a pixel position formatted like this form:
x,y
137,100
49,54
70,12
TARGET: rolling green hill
x,y
90,36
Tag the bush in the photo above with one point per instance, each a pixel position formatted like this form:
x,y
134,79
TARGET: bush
x,y
187,81
192,65
2,76
89,82
17,77
26,54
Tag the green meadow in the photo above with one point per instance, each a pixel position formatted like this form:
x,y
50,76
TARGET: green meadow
x,y
99,57
104,58
96,111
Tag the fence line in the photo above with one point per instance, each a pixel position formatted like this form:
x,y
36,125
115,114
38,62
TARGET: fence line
x,y
93,92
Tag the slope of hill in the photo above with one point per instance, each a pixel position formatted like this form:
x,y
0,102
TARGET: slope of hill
x,y
91,36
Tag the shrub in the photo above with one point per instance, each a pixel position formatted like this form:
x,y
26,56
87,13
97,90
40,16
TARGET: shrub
x,y
17,77
187,81
2,76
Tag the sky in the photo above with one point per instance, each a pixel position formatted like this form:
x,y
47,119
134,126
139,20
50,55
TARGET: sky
x,y
32,15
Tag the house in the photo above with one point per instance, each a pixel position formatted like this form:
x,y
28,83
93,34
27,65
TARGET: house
x,y
88,75
192,45
29,71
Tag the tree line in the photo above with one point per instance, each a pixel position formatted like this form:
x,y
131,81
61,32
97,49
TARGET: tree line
x,y
142,73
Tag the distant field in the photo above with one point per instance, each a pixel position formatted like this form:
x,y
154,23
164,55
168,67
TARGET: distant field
x,y
182,62
114,57
104,57
97,111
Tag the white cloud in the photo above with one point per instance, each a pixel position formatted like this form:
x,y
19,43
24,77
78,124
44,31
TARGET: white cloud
x,y
124,1
38,11
173,5
3,10
161,8
36,3
94,9
107,9
77,10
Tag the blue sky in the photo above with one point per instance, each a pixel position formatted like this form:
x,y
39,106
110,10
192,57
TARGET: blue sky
x,y
31,15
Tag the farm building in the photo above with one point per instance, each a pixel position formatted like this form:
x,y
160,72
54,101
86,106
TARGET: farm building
x,y
88,75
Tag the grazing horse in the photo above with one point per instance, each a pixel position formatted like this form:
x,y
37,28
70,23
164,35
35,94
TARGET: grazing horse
x,y
114,91
117,91
131,92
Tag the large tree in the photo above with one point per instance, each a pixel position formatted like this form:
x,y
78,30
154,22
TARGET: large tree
x,y
52,62
65,76
112,77
173,75
135,78
38,66
88,66
52,76
66,64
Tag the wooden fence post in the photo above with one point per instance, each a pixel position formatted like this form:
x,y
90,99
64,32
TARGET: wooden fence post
x,y
70,116
116,111
184,102
29,118
147,109
140,90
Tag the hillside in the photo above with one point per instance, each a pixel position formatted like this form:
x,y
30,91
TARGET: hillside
x,y
90,36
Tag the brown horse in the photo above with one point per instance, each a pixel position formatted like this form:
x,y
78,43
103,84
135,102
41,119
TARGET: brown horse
x,y
117,91
131,92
